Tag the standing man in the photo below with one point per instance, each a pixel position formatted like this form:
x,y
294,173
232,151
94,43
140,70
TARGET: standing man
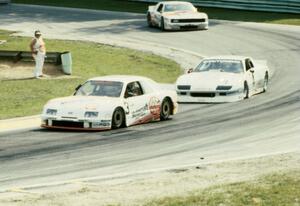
x,y
38,50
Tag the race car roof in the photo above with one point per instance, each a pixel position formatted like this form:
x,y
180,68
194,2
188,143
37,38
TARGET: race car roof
x,y
229,57
120,78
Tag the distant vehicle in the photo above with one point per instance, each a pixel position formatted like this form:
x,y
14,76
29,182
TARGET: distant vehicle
x,y
108,102
176,15
223,79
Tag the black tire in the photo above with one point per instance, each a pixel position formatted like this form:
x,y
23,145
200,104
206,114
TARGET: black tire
x,y
118,118
149,21
162,24
166,109
266,81
246,90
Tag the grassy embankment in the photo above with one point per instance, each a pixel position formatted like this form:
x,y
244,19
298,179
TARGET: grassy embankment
x,y
271,190
26,97
214,13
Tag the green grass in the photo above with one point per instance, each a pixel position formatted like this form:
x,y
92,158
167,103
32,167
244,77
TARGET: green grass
x,y
139,7
276,189
26,97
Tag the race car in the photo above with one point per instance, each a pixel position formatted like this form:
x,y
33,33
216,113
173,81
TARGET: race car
x,y
176,15
110,102
223,79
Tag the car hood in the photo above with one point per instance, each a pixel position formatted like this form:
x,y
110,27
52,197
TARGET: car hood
x,y
208,81
185,15
87,103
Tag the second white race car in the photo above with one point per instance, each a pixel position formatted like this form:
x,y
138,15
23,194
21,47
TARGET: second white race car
x,y
223,79
110,102
176,15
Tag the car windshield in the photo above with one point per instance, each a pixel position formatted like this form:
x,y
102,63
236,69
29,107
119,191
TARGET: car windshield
x,y
232,66
100,88
178,7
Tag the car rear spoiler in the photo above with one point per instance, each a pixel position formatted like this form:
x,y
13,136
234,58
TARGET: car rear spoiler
x,y
151,8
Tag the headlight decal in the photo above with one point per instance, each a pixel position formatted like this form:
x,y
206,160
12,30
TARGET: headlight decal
x,y
51,112
223,87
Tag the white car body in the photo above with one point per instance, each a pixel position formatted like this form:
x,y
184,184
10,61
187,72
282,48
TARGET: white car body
x,y
90,112
183,16
217,85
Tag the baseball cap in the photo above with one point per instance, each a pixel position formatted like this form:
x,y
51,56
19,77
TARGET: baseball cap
x,y
37,32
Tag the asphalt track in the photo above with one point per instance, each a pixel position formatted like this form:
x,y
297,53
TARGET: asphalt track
x,y
201,133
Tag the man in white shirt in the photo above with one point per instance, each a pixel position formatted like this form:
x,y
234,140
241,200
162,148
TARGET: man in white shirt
x,y
38,50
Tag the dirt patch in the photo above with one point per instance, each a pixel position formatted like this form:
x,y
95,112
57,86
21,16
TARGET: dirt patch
x,y
24,70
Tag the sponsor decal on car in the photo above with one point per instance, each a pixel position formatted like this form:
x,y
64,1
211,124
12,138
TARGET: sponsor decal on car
x,y
140,112
154,107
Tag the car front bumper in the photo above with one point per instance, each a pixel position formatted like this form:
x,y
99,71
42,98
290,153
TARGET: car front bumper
x,y
75,124
186,26
208,97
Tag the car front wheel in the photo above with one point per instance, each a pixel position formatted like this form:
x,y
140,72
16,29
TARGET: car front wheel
x,y
118,118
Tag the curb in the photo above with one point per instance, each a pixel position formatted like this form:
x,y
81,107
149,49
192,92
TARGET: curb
x,y
20,123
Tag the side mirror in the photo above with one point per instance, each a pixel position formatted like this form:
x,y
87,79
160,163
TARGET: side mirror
x,y
251,70
190,70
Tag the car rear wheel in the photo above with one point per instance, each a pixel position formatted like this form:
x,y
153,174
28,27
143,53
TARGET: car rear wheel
x,y
166,108
118,118
162,24
149,20
246,90
266,81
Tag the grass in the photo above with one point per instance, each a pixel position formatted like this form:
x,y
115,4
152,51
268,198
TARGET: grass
x,y
26,97
274,189
139,7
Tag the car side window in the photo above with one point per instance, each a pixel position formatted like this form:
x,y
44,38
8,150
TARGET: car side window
x,y
85,89
133,89
248,64
160,7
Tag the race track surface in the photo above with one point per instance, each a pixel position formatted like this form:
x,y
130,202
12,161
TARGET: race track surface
x,y
201,133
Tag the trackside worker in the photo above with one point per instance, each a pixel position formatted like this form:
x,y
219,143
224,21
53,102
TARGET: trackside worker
x,y
38,50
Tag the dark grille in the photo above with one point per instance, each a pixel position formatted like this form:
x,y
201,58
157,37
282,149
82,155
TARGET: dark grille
x,y
203,94
189,27
184,87
67,124
182,93
188,20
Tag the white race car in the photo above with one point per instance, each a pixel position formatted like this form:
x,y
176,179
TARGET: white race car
x,y
108,102
223,79
176,15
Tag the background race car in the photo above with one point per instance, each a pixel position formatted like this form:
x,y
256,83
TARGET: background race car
x,y
176,15
223,79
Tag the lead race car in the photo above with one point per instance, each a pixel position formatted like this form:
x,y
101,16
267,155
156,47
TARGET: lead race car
x,y
176,15
223,79
108,102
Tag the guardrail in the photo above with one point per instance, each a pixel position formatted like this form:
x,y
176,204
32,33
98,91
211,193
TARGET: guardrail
x,y
4,1
15,56
285,6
